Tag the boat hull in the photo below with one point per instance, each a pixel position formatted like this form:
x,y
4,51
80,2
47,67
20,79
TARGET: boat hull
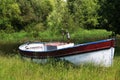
x,y
98,53
100,57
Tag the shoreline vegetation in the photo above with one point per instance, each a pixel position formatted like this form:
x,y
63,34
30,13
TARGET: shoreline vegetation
x,y
9,42
42,20
12,67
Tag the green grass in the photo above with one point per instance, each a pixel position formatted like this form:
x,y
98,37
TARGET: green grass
x,y
12,67
80,35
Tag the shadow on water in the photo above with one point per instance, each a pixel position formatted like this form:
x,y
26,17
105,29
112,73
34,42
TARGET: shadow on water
x,y
117,48
117,51
9,48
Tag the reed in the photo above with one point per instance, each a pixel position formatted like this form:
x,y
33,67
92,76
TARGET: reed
x,y
13,68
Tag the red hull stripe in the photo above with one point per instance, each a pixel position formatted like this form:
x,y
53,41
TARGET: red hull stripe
x,y
79,49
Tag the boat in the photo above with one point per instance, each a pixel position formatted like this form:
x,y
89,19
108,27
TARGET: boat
x,y
98,52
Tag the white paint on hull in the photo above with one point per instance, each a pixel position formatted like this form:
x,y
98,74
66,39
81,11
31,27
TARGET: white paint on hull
x,y
101,57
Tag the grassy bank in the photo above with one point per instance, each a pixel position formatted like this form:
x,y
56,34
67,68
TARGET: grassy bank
x,y
14,68
80,35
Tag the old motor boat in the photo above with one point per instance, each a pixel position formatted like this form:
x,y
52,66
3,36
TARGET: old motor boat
x,y
99,52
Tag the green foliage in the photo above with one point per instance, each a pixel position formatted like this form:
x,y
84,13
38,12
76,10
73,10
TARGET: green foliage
x,y
41,9
60,18
85,13
75,14
9,12
82,35
34,11
17,14
27,12
54,15
110,15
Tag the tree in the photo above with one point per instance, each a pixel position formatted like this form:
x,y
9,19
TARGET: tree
x,y
110,12
41,9
60,18
34,11
27,12
85,12
9,12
